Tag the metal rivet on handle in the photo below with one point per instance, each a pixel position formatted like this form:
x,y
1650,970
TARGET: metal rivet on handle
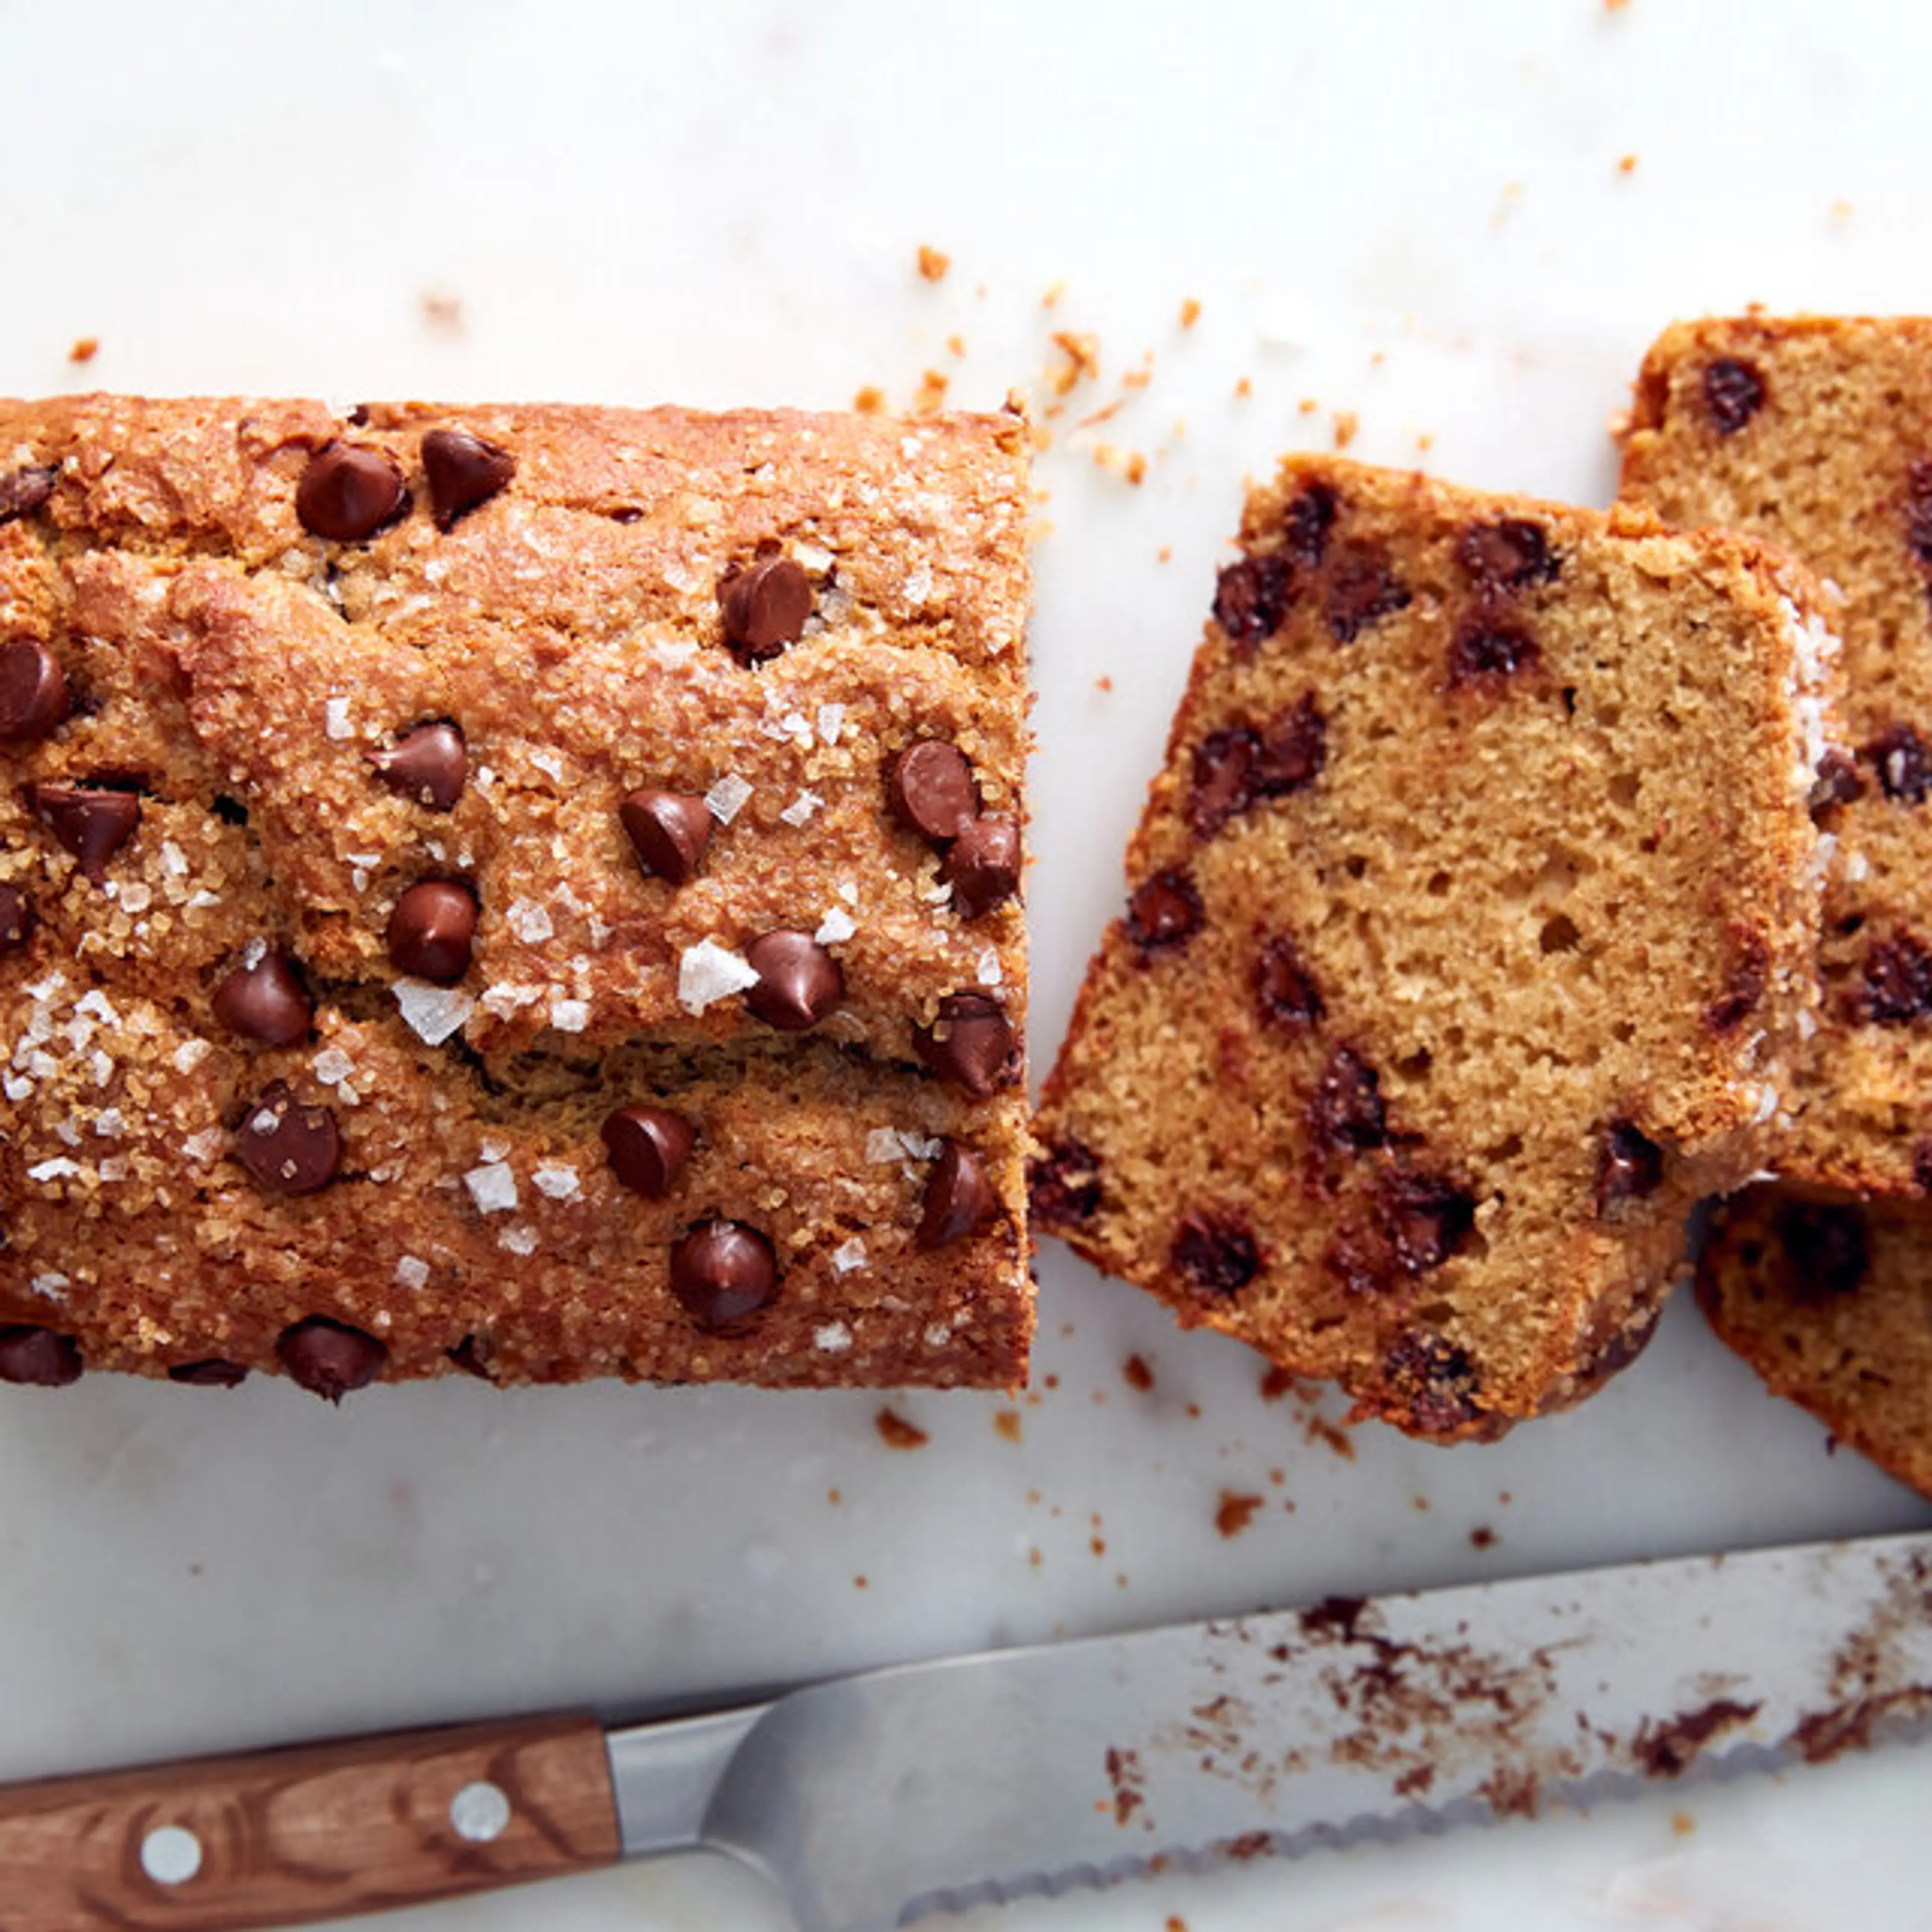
x,y
171,1855
479,1812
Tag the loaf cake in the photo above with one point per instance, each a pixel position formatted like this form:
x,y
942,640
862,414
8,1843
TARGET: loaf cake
x,y
1469,924
1830,1299
1815,435
526,891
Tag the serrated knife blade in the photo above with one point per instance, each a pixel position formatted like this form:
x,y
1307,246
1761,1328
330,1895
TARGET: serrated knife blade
x,y
873,1800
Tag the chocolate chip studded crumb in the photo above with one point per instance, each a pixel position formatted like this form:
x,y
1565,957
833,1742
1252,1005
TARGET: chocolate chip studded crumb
x,y
1347,1111
1745,985
1897,987
972,1043
1284,992
432,930
1512,553
1164,912
1733,393
1490,655
1629,1167
1214,1252
1065,1184
959,1199
1363,590
1897,755
1251,598
1825,1245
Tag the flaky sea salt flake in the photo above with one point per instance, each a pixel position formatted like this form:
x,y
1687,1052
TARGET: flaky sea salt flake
x,y
802,809
333,1065
559,1184
529,921
836,925
707,973
412,1272
727,798
339,725
570,1015
520,1240
432,1013
492,1186
848,1255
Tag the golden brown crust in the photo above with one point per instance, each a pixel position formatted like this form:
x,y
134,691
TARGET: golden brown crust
x,y
1830,1299
241,671
1544,903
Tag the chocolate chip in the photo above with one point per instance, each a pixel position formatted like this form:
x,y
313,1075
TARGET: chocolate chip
x,y
91,821
38,1357
33,692
1919,510
1512,555
16,919
432,930
1897,983
982,866
1222,782
669,831
464,472
1347,1110
23,491
266,1001
723,1273
1827,1248
330,1359
1622,1347
1310,517
428,763
1251,597
1489,654
1837,782
1744,986
290,1149
349,491
1215,1253
1733,393
1363,590
1283,990
1293,747
959,1199
1629,1167
1898,756
1426,1218
971,1043
931,791
1434,1382
764,607
1063,1184
648,1147
212,1373
798,982
1165,911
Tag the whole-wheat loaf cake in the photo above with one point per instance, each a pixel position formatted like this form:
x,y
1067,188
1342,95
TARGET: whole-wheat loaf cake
x,y
1815,435
1830,1299
526,890
1469,921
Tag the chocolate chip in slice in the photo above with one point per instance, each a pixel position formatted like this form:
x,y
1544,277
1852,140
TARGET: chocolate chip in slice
x,y
1221,779
798,982
1745,985
1733,393
212,1372
464,472
288,1148
263,999
1426,1218
959,1199
1512,554
38,1357
1165,911
1310,516
1215,1253
1897,983
930,789
432,931
1827,1248
23,491
1363,590
1293,747
972,1043
982,866
330,1358
1063,1184
1898,756
1347,1111
1490,655
1919,510
1837,782
764,607
91,821
723,1273
1434,1383
429,763
669,831
349,491
16,919
1284,990
648,1148
33,697
1251,598
1629,1167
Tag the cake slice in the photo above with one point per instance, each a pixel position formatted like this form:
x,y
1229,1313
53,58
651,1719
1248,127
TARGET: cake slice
x,y
1815,435
529,890
1468,925
1830,1299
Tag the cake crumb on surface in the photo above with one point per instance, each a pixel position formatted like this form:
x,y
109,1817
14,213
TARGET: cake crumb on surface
x,y
1237,1511
1006,1425
933,263
1135,1372
85,349
896,1432
1190,312
869,401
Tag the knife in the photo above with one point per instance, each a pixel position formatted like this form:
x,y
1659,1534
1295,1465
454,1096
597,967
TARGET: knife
x,y
872,1800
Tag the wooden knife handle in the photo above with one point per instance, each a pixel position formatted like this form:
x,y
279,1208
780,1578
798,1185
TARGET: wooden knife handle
x,y
280,1838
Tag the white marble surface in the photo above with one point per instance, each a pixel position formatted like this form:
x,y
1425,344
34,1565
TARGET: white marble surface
x,y
1411,211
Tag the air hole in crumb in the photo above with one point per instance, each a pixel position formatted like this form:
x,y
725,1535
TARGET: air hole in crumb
x,y
1508,1148
1559,935
230,811
1622,1032
1623,788
1415,1066
1440,885
1356,866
